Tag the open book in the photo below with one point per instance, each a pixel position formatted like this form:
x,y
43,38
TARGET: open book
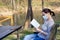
x,y
35,23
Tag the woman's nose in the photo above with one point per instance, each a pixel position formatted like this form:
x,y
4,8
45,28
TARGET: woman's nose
x,y
42,14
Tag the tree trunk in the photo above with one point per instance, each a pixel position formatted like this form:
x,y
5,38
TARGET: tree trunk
x,y
29,16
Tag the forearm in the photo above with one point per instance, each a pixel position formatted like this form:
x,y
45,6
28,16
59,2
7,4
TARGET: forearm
x,y
41,31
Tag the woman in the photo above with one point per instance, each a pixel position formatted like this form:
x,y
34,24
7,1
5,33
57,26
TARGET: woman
x,y
44,32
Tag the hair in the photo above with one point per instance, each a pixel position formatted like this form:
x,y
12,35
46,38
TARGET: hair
x,y
46,10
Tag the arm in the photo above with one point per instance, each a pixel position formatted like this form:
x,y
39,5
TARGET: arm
x,y
49,28
41,31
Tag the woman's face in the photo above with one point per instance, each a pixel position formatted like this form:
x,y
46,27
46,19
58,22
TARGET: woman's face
x,y
45,16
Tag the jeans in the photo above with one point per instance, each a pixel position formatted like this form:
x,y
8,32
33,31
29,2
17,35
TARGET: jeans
x,y
38,38
32,37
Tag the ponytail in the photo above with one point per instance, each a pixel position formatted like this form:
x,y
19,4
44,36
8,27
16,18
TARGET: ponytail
x,y
46,10
52,13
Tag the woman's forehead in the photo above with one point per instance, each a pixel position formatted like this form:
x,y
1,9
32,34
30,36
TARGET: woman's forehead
x,y
43,13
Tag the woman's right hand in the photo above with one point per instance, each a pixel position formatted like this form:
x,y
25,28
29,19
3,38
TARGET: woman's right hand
x,y
41,31
45,34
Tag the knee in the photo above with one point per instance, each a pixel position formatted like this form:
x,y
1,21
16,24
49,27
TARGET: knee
x,y
26,37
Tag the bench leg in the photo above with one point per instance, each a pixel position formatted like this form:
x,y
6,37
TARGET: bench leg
x,y
18,37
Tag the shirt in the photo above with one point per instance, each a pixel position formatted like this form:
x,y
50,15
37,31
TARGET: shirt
x,y
46,28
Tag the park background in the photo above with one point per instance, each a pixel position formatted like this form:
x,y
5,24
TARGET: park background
x,y
18,9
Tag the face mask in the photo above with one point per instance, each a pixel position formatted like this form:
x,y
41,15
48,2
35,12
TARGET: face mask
x,y
45,17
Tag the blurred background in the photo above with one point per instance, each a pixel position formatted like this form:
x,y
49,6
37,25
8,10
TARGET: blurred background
x,y
14,12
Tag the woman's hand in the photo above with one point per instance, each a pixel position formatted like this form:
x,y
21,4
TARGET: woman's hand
x,y
44,33
41,31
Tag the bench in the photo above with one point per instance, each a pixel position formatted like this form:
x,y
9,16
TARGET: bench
x,y
53,32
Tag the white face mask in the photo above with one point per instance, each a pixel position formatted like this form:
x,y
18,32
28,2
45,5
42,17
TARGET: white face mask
x,y
45,17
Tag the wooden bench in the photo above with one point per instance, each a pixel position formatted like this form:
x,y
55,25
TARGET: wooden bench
x,y
53,32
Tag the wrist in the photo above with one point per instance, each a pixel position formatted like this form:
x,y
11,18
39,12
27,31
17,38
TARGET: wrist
x,y
42,31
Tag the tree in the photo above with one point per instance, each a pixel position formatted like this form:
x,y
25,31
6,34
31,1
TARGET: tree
x,y
29,16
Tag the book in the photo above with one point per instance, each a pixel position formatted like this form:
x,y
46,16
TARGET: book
x,y
35,23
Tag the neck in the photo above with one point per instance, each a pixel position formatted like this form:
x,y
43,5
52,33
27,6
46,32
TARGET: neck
x,y
49,17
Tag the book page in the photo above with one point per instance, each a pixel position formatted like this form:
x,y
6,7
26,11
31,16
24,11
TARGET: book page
x,y
35,23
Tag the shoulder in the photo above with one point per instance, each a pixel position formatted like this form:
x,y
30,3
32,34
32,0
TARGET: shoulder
x,y
51,21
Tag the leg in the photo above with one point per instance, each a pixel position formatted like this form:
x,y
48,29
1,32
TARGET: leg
x,y
29,37
38,38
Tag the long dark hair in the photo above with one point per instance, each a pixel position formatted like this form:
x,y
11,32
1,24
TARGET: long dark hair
x,y
46,10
